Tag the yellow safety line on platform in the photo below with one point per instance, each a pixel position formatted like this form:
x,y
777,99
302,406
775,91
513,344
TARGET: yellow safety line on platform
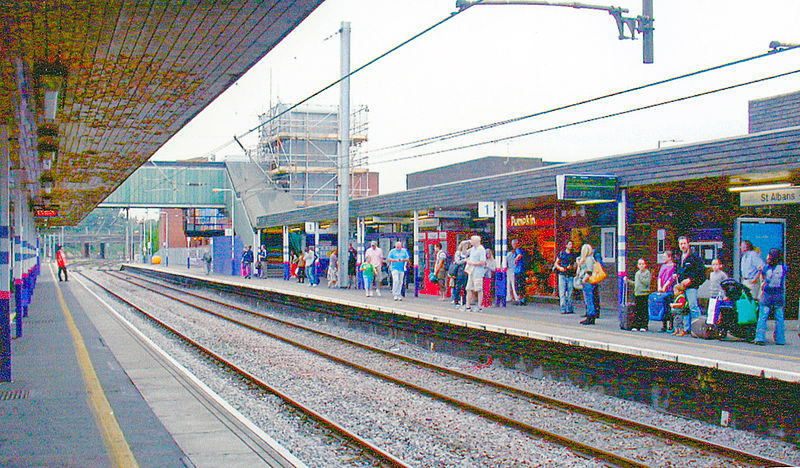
x,y
113,437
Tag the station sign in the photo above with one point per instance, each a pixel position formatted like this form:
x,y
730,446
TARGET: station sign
x,y
451,214
586,187
770,197
45,213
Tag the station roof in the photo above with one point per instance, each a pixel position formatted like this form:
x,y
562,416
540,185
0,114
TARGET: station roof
x,y
757,153
135,72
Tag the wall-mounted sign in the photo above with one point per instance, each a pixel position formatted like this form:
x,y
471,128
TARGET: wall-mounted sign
x,y
529,220
451,214
586,187
45,213
428,222
485,209
310,228
770,197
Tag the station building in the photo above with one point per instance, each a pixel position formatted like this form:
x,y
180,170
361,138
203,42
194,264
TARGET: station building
x,y
716,192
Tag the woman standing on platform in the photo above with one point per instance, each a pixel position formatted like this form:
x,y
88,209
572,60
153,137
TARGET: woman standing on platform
x,y
664,284
511,287
772,295
333,269
585,265
641,291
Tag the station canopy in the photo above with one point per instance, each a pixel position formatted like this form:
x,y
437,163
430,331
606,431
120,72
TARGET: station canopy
x,y
127,75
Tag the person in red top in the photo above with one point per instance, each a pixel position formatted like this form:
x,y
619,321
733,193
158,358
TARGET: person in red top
x,y
61,259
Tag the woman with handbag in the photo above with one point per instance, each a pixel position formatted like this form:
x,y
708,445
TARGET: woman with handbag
x,y
586,264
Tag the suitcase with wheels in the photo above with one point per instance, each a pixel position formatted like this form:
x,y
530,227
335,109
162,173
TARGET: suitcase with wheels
x,y
626,317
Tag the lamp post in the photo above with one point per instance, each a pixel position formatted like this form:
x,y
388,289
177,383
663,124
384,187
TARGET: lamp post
x,y
233,224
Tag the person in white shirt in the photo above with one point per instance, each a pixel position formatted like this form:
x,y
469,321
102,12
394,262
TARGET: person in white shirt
x,y
476,269
374,256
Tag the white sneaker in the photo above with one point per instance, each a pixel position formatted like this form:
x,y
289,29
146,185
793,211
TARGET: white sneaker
x,y
378,292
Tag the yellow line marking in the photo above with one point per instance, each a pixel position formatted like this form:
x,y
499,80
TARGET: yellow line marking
x,y
113,437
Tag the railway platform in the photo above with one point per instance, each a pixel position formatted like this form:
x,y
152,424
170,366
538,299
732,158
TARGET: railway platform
x,y
544,322
87,390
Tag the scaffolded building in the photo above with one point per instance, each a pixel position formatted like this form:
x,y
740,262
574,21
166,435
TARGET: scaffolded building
x,y
299,150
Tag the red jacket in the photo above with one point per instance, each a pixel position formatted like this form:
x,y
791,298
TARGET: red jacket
x,y
62,262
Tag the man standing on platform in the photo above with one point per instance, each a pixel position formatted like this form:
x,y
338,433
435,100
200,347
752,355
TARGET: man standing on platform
x,y
398,259
476,269
374,256
61,259
690,274
751,267
565,265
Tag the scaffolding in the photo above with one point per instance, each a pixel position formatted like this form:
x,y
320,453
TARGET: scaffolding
x,y
299,150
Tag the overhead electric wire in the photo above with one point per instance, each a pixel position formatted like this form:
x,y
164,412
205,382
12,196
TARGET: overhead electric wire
x,y
446,136
331,85
593,119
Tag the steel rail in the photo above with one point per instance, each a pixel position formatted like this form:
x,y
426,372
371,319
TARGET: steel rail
x,y
576,446
713,447
362,443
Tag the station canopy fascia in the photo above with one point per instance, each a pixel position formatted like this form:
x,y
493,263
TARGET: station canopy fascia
x,y
109,82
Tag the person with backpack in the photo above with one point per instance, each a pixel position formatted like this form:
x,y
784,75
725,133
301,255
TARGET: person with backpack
x,y
247,262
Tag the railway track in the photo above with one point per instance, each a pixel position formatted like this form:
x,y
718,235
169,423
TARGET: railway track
x,y
515,407
376,453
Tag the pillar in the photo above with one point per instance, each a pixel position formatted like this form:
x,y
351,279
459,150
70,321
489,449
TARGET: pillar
x,y
18,263
361,232
622,249
417,249
286,259
500,247
5,265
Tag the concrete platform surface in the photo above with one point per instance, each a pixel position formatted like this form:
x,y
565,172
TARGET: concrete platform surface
x,y
544,322
50,411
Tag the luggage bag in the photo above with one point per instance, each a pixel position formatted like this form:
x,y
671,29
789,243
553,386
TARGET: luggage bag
x,y
626,317
656,305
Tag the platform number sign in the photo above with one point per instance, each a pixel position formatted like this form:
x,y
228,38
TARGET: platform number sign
x,y
486,209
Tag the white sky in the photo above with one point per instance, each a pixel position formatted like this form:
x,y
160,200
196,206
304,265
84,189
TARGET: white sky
x,y
496,62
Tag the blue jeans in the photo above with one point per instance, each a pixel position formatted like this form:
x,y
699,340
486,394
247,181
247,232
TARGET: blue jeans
x,y
565,288
694,309
588,298
761,327
311,274
397,283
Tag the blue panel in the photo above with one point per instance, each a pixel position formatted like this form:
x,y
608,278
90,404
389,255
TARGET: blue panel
x,y
764,236
222,255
